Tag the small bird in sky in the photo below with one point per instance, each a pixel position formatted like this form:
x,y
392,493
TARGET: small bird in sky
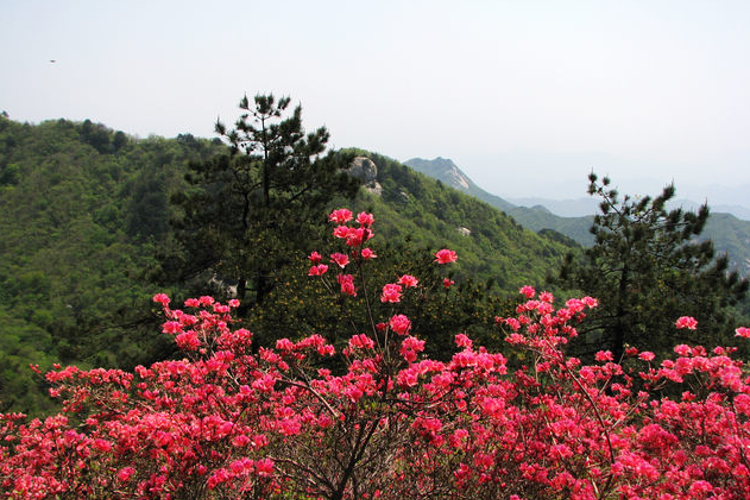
x,y
53,61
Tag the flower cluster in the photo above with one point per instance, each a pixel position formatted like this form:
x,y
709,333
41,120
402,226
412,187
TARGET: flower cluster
x,y
230,421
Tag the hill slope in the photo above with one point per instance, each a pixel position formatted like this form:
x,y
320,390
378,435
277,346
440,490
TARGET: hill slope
x,y
491,243
84,209
729,234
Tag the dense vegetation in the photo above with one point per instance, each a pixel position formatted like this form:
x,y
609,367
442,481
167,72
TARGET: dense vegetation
x,y
82,212
225,422
85,221
646,268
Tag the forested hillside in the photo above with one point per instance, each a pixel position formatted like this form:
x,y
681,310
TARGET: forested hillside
x,y
84,218
82,211
729,234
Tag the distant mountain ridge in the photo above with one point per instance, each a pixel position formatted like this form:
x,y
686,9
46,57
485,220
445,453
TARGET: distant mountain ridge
x,y
447,172
729,233
582,207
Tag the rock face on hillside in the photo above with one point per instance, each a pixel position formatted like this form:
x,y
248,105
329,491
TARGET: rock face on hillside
x,y
366,171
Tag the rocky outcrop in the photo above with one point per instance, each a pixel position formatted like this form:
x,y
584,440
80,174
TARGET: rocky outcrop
x,y
366,171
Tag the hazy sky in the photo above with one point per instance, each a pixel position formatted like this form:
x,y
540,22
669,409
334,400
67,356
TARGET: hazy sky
x,y
526,96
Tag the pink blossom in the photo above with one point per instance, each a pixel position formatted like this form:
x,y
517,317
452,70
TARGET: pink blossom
x,y
590,302
172,327
192,303
742,332
341,259
603,356
527,291
364,219
391,293
347,284
646,356
161,298
355,237
264,467
340,216
341,232
546,297
188,341
463,341
410,347
682,350
234,303
318,270
367,253
408,281
315,257
400,324
445,256
361,341
448,283
686,322
125,474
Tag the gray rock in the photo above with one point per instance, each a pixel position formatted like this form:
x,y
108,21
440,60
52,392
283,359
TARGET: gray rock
x,y
366,171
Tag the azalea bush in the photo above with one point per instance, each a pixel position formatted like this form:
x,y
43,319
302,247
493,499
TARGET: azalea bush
x,y
228,422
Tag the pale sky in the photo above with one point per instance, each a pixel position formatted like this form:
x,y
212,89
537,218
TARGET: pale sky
x,y
526,96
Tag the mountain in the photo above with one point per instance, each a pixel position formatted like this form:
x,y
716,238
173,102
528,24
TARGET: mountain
x,y
84,213
448,173
729,233
536,218
415,206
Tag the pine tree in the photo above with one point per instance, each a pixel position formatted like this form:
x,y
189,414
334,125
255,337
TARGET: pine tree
x,y
248,211
647,268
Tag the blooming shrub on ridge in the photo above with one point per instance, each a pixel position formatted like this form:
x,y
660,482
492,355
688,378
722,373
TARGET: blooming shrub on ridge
x,y
224,422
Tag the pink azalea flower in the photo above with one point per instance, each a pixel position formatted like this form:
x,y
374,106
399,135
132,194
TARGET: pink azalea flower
x,y
408,281
347,284
361,341
125,474
341,259
161,298
463,341
364,219
367,254
527,291
355,237
315,257
646,356
546,297
341,232
340,216
400,324
391,293
686,322
192,303
603,356
445,256
318,270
